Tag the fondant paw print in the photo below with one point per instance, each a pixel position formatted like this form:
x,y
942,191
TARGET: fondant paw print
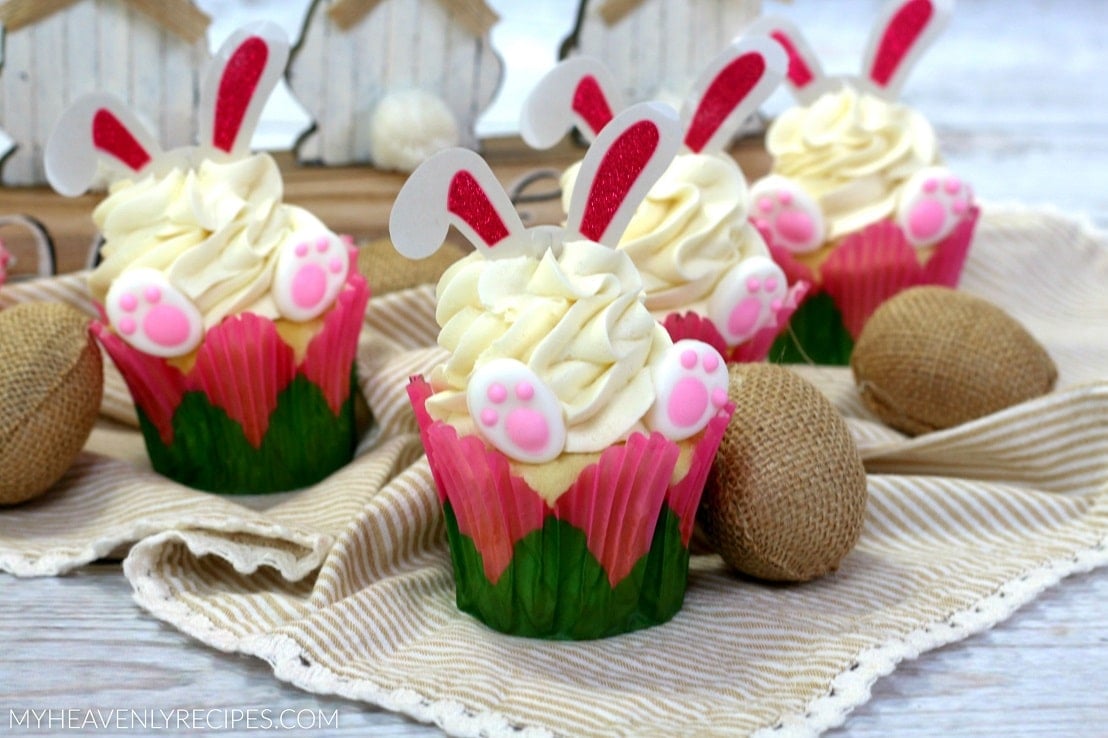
x,y
310,273
516,412
691,386
152,315
932,203
748,299
786,215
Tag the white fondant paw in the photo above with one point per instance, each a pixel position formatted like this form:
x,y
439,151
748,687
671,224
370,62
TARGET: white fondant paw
x,y
311,271
152,315
748,298
516,412
690,384
781,208
932,202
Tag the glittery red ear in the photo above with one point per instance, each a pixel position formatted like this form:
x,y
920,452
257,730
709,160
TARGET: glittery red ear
x,y
243,74
96,128
579,91
904,30
619,169
805,75
730,89
454,187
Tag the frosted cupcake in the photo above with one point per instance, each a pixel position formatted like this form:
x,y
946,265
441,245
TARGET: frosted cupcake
x,y
707,272
232,316
569,437
858,202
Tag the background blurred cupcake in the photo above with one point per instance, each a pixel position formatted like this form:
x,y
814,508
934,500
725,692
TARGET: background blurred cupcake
x,y
568,436
232,316
707,273
858,202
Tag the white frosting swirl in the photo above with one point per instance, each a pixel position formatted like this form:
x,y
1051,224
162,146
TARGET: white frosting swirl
x,y
214,230
575,318
851,151
689,231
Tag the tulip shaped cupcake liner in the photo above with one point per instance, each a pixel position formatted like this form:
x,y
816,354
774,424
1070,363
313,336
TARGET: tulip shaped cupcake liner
x,y
608,556
865,270
248,416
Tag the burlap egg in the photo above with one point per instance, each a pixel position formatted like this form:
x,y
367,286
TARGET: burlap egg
x,y
387,270
51,382
933,358
786,496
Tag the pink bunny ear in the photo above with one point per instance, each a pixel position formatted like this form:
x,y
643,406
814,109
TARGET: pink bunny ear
x,y
730,89
620,168
454,187
242,75
904,31
96,127
805,75
579,91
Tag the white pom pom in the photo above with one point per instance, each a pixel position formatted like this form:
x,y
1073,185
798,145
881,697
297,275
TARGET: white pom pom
x,y
407,127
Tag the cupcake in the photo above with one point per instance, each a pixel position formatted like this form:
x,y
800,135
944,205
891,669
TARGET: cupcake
x,y
858,202
707,272
569,437
233,317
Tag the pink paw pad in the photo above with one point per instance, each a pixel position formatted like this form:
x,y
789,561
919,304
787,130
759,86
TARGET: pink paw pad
x,y
310,273
516,412
152,315
690,384
787,214
748,299
932,202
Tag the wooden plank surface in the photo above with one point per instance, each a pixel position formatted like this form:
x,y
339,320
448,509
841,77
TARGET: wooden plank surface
x,y
1019,103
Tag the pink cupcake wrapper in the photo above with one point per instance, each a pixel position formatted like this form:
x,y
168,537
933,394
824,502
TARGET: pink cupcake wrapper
x,y
874,264
242,366
615,502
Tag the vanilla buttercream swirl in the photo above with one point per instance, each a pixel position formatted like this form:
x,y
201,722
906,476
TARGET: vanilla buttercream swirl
x,y
851,151
215,231
688,232
575,317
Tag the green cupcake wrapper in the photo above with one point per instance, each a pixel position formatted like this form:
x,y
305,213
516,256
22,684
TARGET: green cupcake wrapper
x,y
304,443
816,334
554,588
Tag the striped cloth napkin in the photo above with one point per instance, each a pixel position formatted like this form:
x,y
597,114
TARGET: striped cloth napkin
x,y
345,587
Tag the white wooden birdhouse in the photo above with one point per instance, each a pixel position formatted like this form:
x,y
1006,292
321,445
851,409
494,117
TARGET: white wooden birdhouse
x,y
355,52
148,54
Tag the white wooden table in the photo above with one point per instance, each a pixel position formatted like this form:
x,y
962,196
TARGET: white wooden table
x,y
1017,93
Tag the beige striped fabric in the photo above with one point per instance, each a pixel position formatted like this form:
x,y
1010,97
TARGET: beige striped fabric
x,y
345,587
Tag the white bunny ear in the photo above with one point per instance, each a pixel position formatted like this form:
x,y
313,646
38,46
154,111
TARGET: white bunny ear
x,y
242,75
730,89
579,91
619,168
904,31
96,127
805,76
454,187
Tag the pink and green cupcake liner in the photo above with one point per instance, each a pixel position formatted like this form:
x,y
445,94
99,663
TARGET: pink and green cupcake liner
x,y
608,557
865,270
248,417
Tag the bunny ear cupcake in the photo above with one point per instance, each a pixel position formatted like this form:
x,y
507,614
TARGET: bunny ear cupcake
x,y
858,202
707,273
568,436
233,317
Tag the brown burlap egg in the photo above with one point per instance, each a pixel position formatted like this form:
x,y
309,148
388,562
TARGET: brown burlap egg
x,y
51,382
933,358
786,495
387,270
